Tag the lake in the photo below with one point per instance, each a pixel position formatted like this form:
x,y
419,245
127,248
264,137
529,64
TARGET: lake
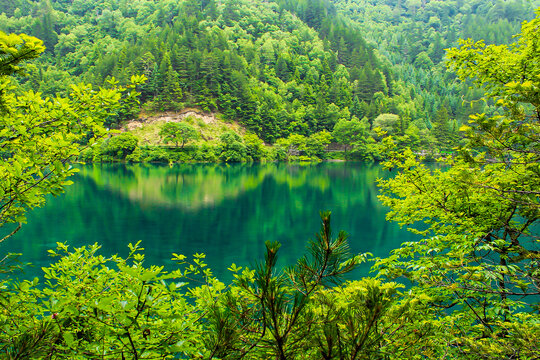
x,y
224,211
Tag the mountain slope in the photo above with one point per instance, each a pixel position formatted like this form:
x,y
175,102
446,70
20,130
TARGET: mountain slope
x,y
278,67
412,36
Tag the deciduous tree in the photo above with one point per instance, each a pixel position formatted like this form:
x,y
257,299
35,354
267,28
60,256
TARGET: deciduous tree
x,y
178,132
40,138
351,133
479,261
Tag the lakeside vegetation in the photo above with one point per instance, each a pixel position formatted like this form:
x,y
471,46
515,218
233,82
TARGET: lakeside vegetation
x,y
473,281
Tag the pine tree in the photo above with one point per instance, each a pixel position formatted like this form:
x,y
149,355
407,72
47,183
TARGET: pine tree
x,y
441,129
356,108
343,53
169,89
282,69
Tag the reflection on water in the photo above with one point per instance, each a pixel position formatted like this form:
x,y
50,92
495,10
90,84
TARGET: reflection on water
x,y
225,211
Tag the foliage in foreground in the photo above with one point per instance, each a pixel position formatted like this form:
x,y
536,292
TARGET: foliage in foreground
x,y
480,260
110,308
40,137
90,306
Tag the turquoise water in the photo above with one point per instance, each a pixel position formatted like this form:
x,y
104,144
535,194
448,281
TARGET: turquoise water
x,y
224,211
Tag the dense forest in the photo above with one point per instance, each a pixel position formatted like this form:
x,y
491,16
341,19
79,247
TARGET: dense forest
x,y
258,63
411,36
279,68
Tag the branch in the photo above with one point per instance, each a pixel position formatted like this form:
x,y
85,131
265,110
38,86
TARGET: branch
x,y
135,355
12,233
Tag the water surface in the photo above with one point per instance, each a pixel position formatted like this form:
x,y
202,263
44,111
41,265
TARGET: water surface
x,y
224,211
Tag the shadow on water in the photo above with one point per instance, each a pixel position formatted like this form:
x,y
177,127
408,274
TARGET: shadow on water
x,y
224,211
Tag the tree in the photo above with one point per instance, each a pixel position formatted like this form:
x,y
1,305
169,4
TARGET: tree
x,y
350,133
41,138
387,122
232,147
441,123
316,144
267,315
282,69
167,85
15,49
479,261
413,5
293,144
423,61
43,26
254,146
122,145
133,314
178,132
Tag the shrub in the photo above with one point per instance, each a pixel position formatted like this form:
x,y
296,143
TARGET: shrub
x,y
206,152
155,154
120,146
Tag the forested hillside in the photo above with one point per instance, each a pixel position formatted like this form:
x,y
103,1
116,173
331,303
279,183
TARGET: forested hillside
x,y
412,36
278,67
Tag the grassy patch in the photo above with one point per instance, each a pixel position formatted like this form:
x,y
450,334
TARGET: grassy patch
x,y
148,133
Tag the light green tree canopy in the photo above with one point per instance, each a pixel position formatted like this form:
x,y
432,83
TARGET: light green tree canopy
x,y
293,144
387,122
232,149
121,145
255,146
178,132
480,256
41,138
14,49
316,144
350,132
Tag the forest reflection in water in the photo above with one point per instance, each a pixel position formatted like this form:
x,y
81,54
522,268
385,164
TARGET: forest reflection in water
x,y
224,211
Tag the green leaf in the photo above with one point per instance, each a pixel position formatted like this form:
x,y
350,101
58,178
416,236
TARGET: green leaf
x,y
68,338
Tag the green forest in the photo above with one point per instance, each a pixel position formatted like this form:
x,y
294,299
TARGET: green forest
x,y
284,70
239,80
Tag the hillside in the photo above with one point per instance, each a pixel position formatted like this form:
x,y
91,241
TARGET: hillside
x,y
277,67
411,37
208,126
